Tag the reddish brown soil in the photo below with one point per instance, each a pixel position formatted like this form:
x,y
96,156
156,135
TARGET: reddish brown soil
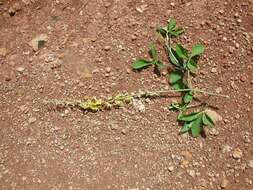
x,y
43,148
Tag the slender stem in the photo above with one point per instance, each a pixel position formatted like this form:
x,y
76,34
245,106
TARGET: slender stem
x,y
194,90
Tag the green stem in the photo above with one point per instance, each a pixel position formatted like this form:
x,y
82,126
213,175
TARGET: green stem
x,y
194,90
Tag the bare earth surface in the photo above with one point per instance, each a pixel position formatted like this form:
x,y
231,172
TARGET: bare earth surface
x,y
89,50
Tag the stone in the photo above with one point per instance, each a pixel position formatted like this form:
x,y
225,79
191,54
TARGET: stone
x,y
224,183
95,71
108,69
11,11
38,42
243,78
107,48
138,105
20,69
31,120
3,52
171,168
142,8
114,126
218,90
133,37
214,115
250,163
192,173
124,131
237,153
226,148
214,70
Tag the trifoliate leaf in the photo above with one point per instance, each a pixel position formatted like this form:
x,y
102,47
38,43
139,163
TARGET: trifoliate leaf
x,y
207,120
175,76
196,126
198,49
140,64
181,51
190,117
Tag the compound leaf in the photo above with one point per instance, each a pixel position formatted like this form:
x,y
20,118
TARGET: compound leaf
x,y
196,126
190,117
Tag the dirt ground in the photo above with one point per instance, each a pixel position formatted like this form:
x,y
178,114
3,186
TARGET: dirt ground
x,y
90,46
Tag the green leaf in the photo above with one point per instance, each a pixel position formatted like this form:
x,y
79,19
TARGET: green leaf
x,y
198,49
186,127
174,106
173,34
181,51
190,117
175,76
179,31
172,55
160,64
141,64
192,65
178,85
153,51
162,32
187,98
207,120
196,126
171,24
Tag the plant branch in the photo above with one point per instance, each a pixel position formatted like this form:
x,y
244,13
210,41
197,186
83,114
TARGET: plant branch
x,y
194,90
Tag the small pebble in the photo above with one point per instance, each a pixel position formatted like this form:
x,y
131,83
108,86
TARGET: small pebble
x,y
3,52
123,131
243,78
133,37
237,153
218,90
239,20
20,69
31,120
224,183
250,163
108,69
107,48
171,168
12,11
214,70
